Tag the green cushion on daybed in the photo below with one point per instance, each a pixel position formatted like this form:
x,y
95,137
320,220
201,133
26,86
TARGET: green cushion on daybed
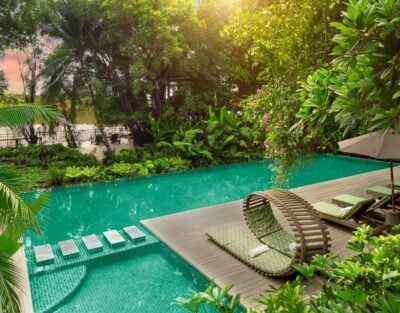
x,y
342,213
240,243
329,209
347,199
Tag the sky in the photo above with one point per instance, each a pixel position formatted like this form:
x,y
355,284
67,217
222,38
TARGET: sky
x,y
9,64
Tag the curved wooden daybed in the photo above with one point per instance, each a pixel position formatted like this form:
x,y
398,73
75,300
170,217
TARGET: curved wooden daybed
x,y
305,233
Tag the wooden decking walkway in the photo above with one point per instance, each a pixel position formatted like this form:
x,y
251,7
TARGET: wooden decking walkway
x,y
184,233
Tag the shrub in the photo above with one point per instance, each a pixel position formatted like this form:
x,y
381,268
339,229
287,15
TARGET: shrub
x,y
145,168
125,155
46,156
121,169
173,164
83,174
367,282
56,176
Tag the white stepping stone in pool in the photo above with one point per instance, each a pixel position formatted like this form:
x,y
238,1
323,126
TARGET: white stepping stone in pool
x,y
134,233
43,253
92,243
114,238
68,248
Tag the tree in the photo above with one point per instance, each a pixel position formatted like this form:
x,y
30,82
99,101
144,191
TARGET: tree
x,y
15,214
360,91
78,25
287,40
19,29
3,83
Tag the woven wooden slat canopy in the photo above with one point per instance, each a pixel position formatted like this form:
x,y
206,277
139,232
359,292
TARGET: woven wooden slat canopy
x,y
310,233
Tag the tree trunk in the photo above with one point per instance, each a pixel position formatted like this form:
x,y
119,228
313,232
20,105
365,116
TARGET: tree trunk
x,y
99,123
30,134
100,126
70,136
158,96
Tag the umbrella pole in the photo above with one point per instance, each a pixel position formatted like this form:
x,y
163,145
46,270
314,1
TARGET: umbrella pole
x,y
392,180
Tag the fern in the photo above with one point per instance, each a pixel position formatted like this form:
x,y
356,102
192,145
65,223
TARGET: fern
x,y
207,154
227,140
212,125
191,134
163,144
246,132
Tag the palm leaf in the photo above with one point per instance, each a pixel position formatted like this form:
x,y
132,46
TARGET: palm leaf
x,y
9,282
10,177
17,116
9,239
14,212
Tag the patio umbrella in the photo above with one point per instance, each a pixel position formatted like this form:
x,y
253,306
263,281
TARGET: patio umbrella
x,y
377,146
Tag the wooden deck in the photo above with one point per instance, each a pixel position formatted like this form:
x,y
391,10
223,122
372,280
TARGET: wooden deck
x,y
184,233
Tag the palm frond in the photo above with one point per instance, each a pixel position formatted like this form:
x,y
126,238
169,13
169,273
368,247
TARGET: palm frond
x,y
10,177
17,116
9,239
9,282
14,212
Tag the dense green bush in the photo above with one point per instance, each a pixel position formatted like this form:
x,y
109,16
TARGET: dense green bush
x,y
56,176
46,156
82,174
367,282
124,155
223,137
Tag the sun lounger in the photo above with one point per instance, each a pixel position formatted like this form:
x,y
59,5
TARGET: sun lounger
x,y
346,200
380,191
272,262
114,238
306,236
335,211
349,200
396,184
68,248
352,216
43,254
134,233
92,243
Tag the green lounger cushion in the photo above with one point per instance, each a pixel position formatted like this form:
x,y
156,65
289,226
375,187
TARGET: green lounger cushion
x,y
384,191
280,241
271,261
396,184
329,209
343,213
347,199
224,235
387,200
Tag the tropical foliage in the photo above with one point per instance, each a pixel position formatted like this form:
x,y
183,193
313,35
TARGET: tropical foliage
x,y
365,282
355,90
365,84
197,85
15,214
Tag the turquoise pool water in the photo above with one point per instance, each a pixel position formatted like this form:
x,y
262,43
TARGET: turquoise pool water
x,y
149,281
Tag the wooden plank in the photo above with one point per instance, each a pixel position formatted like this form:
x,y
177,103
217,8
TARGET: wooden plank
x,y
184,233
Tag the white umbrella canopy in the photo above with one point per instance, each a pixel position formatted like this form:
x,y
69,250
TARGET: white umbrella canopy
x,y
375,145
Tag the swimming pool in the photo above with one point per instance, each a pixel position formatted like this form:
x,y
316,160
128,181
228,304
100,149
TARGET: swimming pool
x,y
148,277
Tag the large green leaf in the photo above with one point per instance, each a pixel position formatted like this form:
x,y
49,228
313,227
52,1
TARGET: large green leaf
x,y
9,282
9,239
17,116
